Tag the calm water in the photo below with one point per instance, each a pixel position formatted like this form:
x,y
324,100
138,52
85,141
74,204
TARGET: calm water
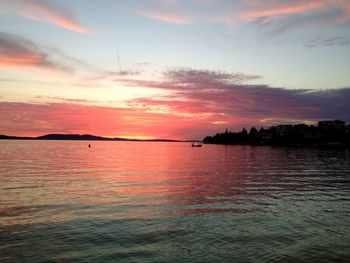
x,y
168,202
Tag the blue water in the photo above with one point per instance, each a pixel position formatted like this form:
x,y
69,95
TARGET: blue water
x,y
61,201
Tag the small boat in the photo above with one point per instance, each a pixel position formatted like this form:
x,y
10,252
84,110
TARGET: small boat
x,y
196,145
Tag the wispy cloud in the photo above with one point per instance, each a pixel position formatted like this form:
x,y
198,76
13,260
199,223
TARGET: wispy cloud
x,y
317,18
44,11
271,9
195,76
280,16
123,73
19,52
168,11
187,78
273,15
16,51
276,17
64,100
327,42
166,16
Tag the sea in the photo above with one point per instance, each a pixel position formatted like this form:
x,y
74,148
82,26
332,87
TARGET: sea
x,y
61,201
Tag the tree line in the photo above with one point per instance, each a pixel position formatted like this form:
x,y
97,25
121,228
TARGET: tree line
x,y
331,133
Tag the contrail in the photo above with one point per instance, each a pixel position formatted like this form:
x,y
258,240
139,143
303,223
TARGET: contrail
x,y
118,60
291,71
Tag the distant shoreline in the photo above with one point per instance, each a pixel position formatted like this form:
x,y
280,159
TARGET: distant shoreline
x,y
84,137
330,133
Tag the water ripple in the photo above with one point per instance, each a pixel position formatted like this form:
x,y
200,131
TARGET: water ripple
x,y
166,202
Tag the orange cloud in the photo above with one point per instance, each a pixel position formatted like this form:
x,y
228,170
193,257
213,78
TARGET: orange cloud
x,y
21,61
168,17
287,14
280,16
273,9
36,119
166,11
281,9
47,12
16,51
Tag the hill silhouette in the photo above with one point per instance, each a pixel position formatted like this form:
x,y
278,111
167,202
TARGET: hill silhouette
x,y
78,137
84,137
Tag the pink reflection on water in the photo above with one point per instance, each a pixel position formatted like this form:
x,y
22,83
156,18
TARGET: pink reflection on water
x,y
44,176
176,171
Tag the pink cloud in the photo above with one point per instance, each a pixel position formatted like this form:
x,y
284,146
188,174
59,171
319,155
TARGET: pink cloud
x,y
279,9
219,99
16,51
167,17
45,11
280,16
277,16
193,107
36,119
164,10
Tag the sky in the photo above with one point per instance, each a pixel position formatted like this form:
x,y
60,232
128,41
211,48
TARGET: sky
x,y
174,69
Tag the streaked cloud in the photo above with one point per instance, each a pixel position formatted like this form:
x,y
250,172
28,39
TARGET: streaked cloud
x,y
280,16
168,11
257,10
57,99
166,16
195,76
19,52
185,78
44,11
327,42
322,17
123,73
16,51
273,15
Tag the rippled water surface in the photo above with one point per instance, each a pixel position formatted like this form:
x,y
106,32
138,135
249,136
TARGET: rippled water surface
x,y
168,202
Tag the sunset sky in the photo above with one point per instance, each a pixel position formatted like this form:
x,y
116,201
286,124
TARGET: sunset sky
x,y
177,69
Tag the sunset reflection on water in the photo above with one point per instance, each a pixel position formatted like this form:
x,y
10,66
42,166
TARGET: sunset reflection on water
x,y
221,196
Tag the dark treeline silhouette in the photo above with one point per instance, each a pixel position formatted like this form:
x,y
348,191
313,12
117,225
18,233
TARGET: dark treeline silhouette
x,y
326,133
